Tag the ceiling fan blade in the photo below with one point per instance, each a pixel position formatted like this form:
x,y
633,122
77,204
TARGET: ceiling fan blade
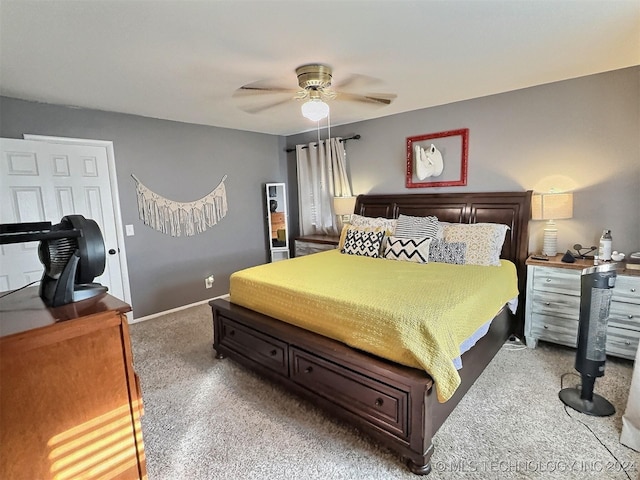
x,y
356,82
374,98
263,107
249,90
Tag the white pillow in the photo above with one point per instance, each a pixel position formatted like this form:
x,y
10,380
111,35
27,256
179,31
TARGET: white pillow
x,y
484,241
361,221
408,249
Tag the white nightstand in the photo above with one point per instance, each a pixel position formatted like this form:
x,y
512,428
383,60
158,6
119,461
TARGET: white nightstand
x,y
553,306
315,243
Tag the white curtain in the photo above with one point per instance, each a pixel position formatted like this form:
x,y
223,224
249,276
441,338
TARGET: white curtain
x,y
631,419
322,175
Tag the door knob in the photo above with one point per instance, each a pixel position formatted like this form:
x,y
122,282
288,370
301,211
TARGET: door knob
x,y
112,251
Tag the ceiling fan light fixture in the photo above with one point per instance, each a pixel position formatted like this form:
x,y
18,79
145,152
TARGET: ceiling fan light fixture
x,y
315,110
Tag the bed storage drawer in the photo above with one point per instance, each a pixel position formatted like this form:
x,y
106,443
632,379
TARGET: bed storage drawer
x,y
374,401
263,349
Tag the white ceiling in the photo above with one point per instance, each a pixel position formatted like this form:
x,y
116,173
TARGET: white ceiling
x,y
182,60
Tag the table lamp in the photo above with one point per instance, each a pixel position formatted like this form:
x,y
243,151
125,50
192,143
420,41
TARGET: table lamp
x,y
551,206
343,208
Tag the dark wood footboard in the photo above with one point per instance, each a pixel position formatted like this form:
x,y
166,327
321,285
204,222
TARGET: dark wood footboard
x,y
394,404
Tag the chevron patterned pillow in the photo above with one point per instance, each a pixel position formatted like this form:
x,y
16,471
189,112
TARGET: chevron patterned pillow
x,y
408,249
361,242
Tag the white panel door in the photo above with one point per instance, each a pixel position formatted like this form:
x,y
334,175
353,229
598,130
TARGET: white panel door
x,y
42,181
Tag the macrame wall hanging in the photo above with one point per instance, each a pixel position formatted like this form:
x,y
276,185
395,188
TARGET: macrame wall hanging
x,y
181,218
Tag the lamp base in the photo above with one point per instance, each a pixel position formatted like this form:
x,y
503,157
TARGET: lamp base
x,y
550,239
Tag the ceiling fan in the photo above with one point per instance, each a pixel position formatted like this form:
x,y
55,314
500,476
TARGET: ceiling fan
x,y
315,82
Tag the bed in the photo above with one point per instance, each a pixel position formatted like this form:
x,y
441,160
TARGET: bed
x,y
394,402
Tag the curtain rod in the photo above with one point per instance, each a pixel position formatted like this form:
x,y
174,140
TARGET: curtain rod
x,y
354,137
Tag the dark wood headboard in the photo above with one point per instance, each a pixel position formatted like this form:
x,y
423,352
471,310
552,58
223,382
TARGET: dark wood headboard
x,y
508,208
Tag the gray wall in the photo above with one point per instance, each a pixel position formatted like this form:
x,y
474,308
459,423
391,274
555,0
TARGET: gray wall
x,y
182,162
582,135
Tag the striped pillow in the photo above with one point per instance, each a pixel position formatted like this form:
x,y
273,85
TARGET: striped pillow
x,y
408,249
413,227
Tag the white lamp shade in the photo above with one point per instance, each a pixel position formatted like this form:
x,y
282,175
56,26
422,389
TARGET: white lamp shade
x,y
315,110
344,205
552,206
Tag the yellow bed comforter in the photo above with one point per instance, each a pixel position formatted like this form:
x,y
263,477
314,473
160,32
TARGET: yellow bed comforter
x,y
414,314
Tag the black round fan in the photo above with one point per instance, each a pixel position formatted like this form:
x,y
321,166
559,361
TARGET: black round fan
x,y
72,262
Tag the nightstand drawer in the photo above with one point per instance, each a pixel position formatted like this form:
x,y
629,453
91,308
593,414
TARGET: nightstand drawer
x,y
622,342
627,289
567,306
307,248
566,282
555,329
625,315
314,244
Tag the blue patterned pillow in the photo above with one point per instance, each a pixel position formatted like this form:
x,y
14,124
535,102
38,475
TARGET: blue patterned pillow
x,y
408,249
448,252
360,242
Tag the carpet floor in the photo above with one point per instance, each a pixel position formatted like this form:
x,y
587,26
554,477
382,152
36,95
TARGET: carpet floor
x,y
214,419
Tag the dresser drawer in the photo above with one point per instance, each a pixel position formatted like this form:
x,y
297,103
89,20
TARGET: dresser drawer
x,y
376,402
547,303
263,349
627,289
557,280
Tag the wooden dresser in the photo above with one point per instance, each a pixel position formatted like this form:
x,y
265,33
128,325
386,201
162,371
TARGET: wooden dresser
x,y
70,402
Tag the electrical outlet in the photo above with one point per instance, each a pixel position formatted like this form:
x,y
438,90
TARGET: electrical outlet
x,y
208,281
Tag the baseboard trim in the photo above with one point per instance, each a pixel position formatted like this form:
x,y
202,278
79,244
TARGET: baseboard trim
x,y
173,310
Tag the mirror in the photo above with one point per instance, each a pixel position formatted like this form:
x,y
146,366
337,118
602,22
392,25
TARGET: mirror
x,y
277,215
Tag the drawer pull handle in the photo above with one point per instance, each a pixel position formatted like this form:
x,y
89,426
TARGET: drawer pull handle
x,y
548,280
627,342
633,290
630,317
379,402
308,370
545,327
547,303
273,353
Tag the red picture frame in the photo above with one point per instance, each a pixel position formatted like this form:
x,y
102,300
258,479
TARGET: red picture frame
x,y
453,175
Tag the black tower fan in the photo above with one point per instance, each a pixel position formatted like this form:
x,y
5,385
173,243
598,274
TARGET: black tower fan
x,y
596,288
72,261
